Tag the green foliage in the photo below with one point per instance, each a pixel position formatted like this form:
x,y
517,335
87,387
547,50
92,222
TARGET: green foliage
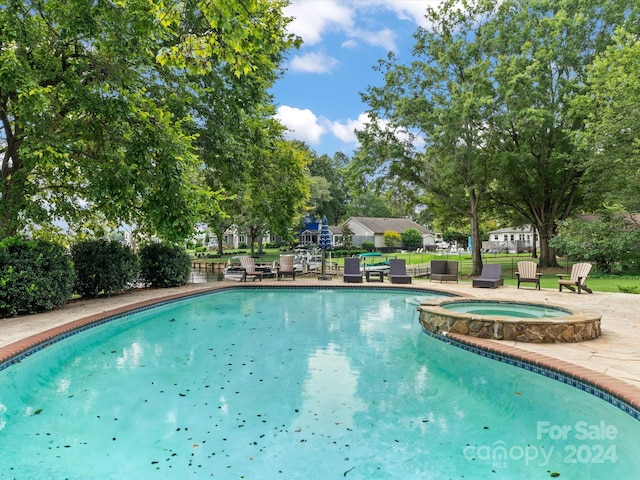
x,y
611,241
391,238
369,246
633,289
98,102
163,265
35,276
411,238
103,266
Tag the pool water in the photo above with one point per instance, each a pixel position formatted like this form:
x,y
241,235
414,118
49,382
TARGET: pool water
x,y
295,384
505,309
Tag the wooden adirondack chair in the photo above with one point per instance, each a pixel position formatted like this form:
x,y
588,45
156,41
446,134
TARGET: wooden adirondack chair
x,y
528,273
250,269
579,274
286,267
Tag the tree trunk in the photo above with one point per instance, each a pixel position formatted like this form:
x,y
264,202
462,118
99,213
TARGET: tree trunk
x,y
547,254
12,188
476,243
220,237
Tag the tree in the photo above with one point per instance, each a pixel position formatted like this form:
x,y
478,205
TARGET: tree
x,y
610,138
543,49
411,238
445,98
276,189
330,187
489,96
391,238
347,236
96,106
610,240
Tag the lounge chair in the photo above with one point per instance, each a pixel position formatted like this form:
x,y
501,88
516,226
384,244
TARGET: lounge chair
x,y
398,271
443,271
251,270
528,273
579,274
352,272
491,276
286,267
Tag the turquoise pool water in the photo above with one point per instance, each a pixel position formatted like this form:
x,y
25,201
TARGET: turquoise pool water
x,y
295,384
505,309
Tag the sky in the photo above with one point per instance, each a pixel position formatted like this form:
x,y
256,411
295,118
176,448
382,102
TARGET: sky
x,y
318,98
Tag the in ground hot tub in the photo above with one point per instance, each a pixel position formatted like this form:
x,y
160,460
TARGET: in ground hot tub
x,y
508,320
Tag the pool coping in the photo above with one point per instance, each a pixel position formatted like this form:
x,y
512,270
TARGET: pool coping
x,y
616,392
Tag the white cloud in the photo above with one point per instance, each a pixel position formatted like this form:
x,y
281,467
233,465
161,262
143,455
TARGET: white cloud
x,y
313,18
345,131
410,9
313,62
382,38
384,125
302,124
349,44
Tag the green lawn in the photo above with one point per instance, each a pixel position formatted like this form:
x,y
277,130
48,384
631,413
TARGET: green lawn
x,y
598,283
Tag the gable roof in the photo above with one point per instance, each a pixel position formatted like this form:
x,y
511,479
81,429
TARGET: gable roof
x,y
381,225
520,229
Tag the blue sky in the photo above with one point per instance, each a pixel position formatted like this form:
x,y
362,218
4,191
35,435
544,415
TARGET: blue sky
x,y
318,99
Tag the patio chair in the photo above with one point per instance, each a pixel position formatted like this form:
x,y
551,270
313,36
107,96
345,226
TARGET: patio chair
x,y
491,276
250,268
286,267
352,272
398,271
528,273
443,271
579,274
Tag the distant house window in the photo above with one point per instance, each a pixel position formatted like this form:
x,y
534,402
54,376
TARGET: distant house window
x,y
496,237
506,237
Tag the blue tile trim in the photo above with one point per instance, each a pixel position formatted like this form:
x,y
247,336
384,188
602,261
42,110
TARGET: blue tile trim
x,y
547,372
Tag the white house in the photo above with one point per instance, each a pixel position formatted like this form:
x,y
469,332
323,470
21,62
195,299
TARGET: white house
x,y
371,229
511,239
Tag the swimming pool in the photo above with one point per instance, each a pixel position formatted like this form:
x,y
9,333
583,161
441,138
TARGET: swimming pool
x,y
295,383
505,309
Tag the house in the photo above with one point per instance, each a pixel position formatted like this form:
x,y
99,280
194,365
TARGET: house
x,y
311,232
371,229
511,240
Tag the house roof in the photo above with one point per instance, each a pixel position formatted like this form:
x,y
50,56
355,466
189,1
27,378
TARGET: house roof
x,y
381,225
521,229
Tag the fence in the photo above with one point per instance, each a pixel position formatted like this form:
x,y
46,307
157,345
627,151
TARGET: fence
x,y
465,265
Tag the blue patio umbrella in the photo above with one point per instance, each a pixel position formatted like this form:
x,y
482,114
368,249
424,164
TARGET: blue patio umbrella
x,y
324,243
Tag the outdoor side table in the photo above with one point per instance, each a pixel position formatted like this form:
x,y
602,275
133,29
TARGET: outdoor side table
x,y
375,273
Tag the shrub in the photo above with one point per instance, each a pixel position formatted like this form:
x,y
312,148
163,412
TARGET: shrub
x,y
163,265
411,238
103,266
368,246
391,238
35,276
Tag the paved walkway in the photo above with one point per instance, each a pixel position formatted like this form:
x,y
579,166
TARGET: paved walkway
x,y
616,354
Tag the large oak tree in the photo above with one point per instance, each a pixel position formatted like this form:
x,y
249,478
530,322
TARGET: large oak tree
x,y
97,104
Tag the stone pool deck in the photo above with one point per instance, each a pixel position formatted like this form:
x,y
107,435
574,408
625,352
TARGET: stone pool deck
x,y
611,361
